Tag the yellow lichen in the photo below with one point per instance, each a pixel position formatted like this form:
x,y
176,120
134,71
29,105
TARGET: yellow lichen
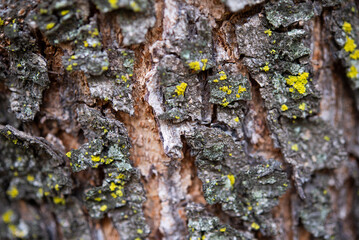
x,y
241,89
181,88
30,178
255,226
103,208
135,6
269,32
86,44
347,27
204,61
1,22
95,158
139,231
69,68
349,45
326,138
265,68
353,72
294,147
113,3
355,55
16,232
236,119
68,154
298,82
232,179
194,65
284,108
58,200
223,75
222,229
50,25
13,192
6,217
64,12
302,106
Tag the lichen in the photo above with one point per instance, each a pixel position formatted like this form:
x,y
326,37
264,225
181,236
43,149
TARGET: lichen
x,y
121,194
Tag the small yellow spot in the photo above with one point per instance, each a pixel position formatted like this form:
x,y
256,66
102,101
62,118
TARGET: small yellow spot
x,y
98,199
6,217
139,231
349,45
265,68
284,108
30,178
269,32
41,191
69,68
294,147
302,106
181,88
50,25
272,51
267,166
103,208
64,12
104,68
250,208
232,179
113,3
285,185
326,138
8,132
204,61
230,154
194,65
68,154
236,119
215,80
86,43
57,187
177,117
15,141
347,27
58,200
353,72
134,6
255,226
325,192
95,158
222,229
13,192
1,22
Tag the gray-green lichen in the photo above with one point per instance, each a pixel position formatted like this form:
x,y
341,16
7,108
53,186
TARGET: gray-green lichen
x,y
202,225
279,63
88,55
227,87
28,76
246,187
308,145
121,194
59,20
179,90
116,84
32,170
135,25
284,13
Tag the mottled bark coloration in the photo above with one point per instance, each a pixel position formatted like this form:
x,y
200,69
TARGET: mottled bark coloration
x,y
179,119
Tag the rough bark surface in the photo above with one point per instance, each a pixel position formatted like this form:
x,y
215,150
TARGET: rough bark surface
x,y
179,119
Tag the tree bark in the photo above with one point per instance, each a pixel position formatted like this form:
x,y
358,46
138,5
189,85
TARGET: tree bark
x,y
179,119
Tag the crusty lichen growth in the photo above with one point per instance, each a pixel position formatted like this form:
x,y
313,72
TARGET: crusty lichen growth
x,y
246,188
202,225
228,87
121,194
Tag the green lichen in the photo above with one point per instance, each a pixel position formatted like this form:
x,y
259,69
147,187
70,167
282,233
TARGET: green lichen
x,y
246,188
121,194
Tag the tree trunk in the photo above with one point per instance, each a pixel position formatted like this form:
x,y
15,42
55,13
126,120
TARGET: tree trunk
x,y
173,119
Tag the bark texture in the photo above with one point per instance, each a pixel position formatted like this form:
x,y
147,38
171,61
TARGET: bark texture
x,y
174,119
